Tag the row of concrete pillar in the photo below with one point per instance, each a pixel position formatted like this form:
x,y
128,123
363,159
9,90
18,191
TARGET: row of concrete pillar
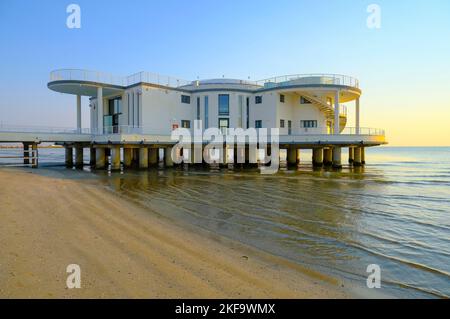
x,y
331,156
143,157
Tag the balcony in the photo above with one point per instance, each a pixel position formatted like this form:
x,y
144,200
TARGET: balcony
x,y
78,75
309,79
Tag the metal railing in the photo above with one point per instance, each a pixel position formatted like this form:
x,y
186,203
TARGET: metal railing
x,y
107,78
147,130
42,129
346,131
168,81
305,79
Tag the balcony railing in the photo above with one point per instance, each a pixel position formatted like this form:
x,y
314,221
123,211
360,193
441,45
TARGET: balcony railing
x,y
125,129
307,79
42,129
146,130
107,78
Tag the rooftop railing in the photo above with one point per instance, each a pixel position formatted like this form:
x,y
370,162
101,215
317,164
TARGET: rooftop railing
x,y
107,78
168,81
305,79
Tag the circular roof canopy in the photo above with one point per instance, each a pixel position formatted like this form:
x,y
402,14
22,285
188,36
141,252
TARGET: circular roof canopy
x,y
84,88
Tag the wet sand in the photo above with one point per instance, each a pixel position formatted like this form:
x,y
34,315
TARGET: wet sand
x,y
125,251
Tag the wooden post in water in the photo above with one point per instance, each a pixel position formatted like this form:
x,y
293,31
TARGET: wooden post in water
x,y
34,160
26,153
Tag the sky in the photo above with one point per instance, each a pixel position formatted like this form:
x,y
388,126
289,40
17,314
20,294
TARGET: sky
x,y
403,67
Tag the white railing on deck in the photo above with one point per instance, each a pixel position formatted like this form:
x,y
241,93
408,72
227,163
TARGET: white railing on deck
x,y
42,129
168,81
305,79
107,78
146,130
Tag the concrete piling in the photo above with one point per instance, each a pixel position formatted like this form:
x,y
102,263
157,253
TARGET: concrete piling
x,y
79,157
153,156
69,156
168,157
357,160
328,156
115,158
92,156
363,155
100,158
292,156
317,157
143,157
351,155
127,157
337,157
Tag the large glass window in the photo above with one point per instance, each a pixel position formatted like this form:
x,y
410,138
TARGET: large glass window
x,y
198,108
111,119
224,104
240,112
206,112
248,112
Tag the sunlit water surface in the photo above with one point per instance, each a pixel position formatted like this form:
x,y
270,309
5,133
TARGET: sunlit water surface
x,y
395,212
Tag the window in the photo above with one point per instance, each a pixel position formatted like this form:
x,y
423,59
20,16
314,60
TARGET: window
x,y
185,124
281,98
289,127
224,124
206,112
185,99
304,100
281,123
258,99
248,112
198,108
224,104
258,124
308,123
240,112
111,118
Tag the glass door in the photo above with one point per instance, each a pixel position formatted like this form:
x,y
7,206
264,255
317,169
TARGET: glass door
x,y
224,124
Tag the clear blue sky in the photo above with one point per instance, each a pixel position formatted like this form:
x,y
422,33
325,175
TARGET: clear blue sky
x,y
410,54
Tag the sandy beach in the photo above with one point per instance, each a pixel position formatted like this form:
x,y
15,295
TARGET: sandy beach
x,y
125,251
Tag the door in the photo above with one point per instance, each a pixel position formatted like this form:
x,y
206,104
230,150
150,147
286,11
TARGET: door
x,y
224,124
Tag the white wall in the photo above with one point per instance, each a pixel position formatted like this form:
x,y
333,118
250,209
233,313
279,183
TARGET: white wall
x,y
157,109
